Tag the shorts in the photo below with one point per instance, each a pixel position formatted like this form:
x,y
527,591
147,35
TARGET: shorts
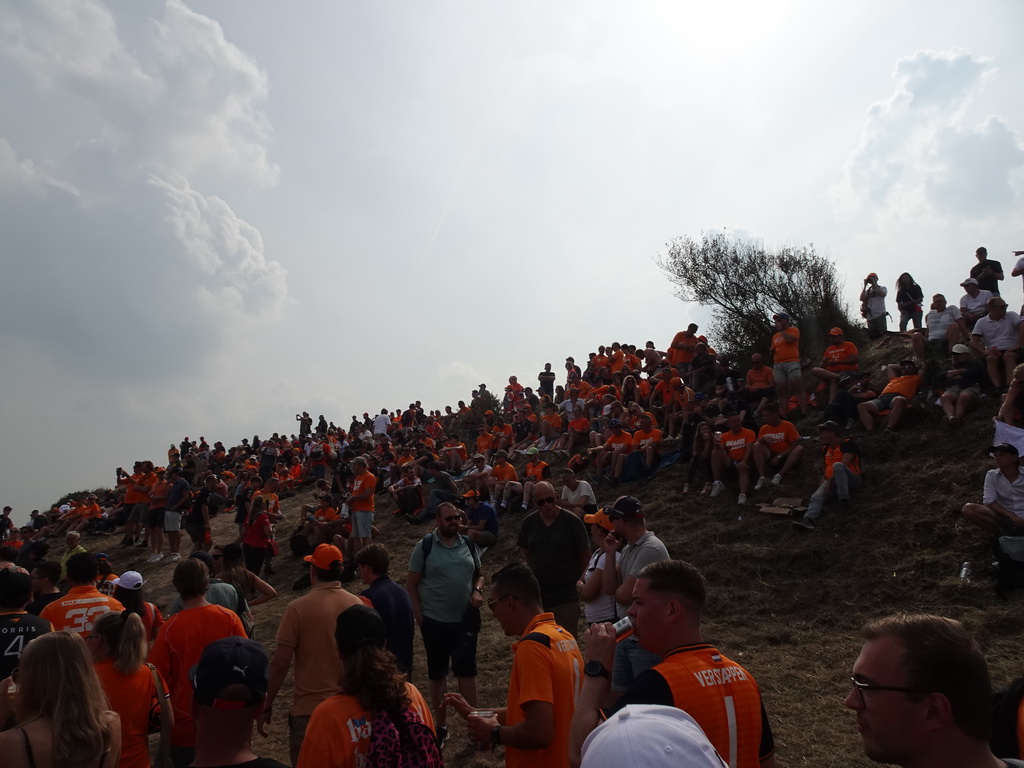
x,y
787,371
172,521
884,402
155,518
138,512
196,532
455,641
362,524
956,391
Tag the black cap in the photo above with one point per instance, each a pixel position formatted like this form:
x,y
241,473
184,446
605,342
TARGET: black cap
x,y
1003,448
227,662
625,508
358,626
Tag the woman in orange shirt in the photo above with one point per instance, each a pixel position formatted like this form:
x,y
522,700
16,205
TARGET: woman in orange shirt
x,y
119,647
128,592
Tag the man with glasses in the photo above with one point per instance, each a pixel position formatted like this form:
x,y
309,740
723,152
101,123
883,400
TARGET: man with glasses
x,y
922,694
547,670
445,584
998,337
723,697
555,544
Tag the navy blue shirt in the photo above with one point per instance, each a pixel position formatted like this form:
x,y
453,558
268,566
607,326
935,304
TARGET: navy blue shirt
x,y
395,608
177,492
486,513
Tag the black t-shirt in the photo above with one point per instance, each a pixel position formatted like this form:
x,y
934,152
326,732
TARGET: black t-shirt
x,y
37,605
18,629
195,513
987,283
554,554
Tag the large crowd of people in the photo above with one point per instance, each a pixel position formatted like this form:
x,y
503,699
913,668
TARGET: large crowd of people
x,y
584,572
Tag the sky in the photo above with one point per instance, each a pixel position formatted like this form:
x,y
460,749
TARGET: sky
x,y
217,214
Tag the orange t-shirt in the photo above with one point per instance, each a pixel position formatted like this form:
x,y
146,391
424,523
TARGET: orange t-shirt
x,y
484,442
131,696
78,609
599,361
178,648
903,385
676,356
735,443
779,437
505,430
623,438
535,471
643,439
132,496
89,511
504,472
338,734
554,420
616,361
786,351
761,379
581,424
547,667
837,357
460,451
360,484
834,456
325,515
583,388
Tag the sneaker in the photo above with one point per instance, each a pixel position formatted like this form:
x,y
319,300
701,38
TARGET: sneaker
x,y
803,525
706,489
442,736
686,488
741,499
761,483
777,480
173,557
717,488
155,558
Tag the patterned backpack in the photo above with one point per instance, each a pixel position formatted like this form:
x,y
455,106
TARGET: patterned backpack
x,y
407,743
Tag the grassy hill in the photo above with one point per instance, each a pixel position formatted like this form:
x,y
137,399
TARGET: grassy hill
x,y
786,605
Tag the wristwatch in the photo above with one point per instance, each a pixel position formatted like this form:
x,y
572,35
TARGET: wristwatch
x,y
595,668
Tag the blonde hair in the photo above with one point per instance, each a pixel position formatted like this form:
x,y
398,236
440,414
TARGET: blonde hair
x,y
125,635
57,682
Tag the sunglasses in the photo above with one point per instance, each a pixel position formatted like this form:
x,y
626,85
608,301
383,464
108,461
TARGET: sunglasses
x,y
545,500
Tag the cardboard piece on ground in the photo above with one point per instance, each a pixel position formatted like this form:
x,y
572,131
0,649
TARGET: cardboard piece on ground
x,y
783,506
788,501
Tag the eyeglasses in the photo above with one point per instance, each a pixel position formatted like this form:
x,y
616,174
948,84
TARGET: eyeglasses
x,y
545,500
860,687
492,603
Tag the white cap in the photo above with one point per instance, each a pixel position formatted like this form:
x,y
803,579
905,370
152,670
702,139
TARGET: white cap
x,y
130,580
652,736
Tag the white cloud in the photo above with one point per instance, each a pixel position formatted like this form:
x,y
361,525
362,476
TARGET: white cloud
x,y
24,175
236,276
918,157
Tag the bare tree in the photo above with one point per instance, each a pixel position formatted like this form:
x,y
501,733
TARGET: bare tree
x,y
746,284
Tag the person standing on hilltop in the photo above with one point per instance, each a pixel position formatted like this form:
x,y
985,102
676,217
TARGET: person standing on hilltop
x,y
872,306
786,363
987,272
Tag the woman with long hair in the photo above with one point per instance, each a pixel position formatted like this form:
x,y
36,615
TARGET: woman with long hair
x,y
703,444
119,647
256,535
909,298
63,716
128,592
372,691
229,568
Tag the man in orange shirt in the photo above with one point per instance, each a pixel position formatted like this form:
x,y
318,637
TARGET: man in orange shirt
x,y
179,645
503,481
647,440
83,604
668,600
839,356
902,382
842,475
777,448
733,452
364,486
760,383
683,348
546,675
786,359
617,447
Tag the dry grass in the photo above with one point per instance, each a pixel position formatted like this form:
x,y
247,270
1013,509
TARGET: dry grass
x,y
788,606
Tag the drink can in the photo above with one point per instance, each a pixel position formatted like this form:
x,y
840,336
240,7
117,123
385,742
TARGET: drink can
x,y
623,628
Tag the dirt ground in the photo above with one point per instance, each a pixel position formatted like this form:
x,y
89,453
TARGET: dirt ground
x,y
786,605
